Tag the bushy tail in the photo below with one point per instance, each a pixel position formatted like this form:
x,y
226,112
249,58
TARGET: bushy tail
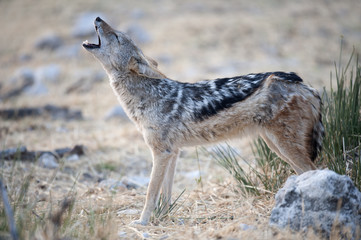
x,y
318,132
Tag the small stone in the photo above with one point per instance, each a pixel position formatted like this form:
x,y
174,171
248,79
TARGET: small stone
x,y
50,41
47,160
48,73
135,182
122,234
112,184
246,227
128,212
73,158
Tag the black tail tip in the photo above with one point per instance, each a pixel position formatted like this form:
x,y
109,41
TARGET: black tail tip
x,y
98,19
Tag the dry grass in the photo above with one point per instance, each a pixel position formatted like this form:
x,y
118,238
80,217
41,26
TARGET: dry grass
x,y
202,40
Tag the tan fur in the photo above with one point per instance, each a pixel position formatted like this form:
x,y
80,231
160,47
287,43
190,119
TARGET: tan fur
x,y
286,114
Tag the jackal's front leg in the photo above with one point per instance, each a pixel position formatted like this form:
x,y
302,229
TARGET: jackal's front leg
x,y
168,182
161,163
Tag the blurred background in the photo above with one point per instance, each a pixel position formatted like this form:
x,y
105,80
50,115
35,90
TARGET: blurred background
x,y
42,61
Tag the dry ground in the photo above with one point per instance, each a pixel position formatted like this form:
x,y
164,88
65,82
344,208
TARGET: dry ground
x,y
191,40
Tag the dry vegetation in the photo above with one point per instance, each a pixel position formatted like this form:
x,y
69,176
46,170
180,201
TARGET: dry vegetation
x,y
191,41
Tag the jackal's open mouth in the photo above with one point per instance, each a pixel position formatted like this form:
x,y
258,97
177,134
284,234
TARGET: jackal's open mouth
x,y
86,44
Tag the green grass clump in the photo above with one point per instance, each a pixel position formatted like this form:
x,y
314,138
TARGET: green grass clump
x,y
265,176
342,120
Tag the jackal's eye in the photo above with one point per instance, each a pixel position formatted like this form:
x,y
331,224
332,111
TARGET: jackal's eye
x,y
116,36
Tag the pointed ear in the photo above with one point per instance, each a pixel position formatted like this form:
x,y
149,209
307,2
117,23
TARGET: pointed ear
x,y
152,61
142,67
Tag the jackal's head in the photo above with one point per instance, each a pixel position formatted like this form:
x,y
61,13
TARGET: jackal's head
x,y
118,53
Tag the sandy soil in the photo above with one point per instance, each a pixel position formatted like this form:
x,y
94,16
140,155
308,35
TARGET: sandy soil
x,y
191,40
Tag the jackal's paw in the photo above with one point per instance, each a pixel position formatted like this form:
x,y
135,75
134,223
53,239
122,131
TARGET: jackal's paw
x,y
138,222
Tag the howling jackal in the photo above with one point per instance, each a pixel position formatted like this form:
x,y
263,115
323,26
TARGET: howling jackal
x,y
171,114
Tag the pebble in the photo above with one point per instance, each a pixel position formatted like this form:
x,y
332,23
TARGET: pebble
x,y
130,211
48,73
48,160
122,234
49,41
135,182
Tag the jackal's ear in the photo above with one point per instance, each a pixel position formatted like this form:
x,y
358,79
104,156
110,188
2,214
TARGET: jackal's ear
x,y
142,67
152,61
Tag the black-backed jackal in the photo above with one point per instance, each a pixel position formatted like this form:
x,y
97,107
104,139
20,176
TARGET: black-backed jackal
x,y
170,114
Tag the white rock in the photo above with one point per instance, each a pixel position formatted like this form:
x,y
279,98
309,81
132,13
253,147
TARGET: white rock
x,y
48,73
130,211
47,160
122,234
49,41
320,199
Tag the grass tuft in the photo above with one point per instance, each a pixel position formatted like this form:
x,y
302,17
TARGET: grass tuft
x,y
161,211
265,176
342,120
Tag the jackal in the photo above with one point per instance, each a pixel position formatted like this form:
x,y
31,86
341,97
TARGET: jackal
x,y
170,114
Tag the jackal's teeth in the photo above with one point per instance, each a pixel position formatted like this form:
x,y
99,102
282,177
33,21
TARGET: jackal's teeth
x,y
86,42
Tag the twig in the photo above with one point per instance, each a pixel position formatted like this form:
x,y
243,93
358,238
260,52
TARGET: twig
x,y
8,212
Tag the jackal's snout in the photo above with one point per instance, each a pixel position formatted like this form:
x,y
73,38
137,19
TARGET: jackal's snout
x,y
102,29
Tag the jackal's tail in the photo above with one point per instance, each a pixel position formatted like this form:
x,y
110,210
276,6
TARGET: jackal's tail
x,y
318,132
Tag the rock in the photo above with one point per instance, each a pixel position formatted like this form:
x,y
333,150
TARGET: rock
x,y
128,212
321,200
112,184
73,158
55,112
18,113
85,81
246,227
48,73
48,160
84,24
50,41
62,113
37,89
135,182
23,79
13,153
23,154
116,112
138,34
122,234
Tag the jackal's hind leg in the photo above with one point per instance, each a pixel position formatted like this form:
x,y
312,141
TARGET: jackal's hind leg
x,y
290,150
277,151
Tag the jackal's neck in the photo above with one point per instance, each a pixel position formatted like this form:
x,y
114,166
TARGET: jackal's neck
x,y
138,94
